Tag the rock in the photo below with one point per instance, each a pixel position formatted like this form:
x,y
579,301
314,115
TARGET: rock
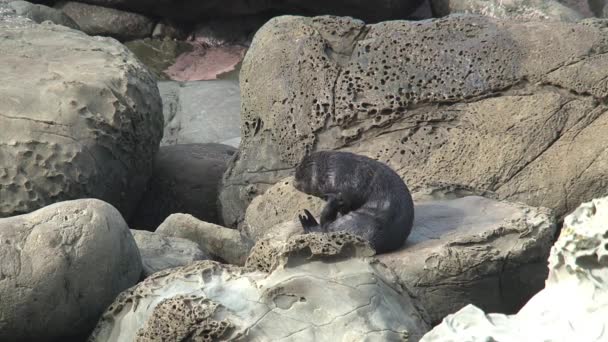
x,y
62,265
82,120
464,99
474,250
310,295
158,54
160,252
193,11
103,21
186,179
168,29
573,306
570,11
275,213
200,112
227,244
461,250
41,13
205,62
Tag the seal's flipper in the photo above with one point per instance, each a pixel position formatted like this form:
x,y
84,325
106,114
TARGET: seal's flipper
x,y
309,223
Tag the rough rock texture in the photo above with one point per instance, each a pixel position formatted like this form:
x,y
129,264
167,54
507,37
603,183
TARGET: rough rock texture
x,y
186,179
192,11
312,294
474,250
41,13
571,11
275,213
102,21
80,117
159,252
470,100
61,267
227,244
461,250
200,112
572,307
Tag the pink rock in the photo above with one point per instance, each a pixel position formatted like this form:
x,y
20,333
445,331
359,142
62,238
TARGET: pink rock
x,y
206,62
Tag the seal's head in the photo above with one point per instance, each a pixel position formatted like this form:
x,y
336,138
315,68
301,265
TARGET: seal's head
x,y
308,173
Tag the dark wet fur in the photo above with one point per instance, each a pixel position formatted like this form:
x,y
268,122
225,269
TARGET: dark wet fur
x,y
364,197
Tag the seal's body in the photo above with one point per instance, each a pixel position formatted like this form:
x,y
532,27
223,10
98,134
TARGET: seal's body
x,y
372,200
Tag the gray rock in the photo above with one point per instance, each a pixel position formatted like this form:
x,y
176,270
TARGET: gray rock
x,y
193,11
160,252
571,11
573,306
474,250
80,117
200,111
102,21
461,250
225,243
317,291
491,104
41,13
62,265
186,179
158,54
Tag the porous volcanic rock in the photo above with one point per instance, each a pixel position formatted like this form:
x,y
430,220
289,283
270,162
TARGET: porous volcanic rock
x,y
496,105
80,117
320,288
61,267
461,250
186,179
573,306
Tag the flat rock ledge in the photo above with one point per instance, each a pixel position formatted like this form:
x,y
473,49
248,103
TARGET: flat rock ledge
x,y
573,306
462,250
313,298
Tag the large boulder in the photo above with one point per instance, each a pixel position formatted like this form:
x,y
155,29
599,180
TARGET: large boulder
x,y
61,266
200,112
80,117
573,306
461,250
491,104
159,252
312,288
102,21
191,11
186,179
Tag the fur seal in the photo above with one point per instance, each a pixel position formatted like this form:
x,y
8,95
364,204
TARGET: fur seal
x,y
364,197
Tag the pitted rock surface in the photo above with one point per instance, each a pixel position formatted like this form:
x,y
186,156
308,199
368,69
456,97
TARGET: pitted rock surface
x,y
320,300
80,116
572,306
62,265
268,254
463,248
471,100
